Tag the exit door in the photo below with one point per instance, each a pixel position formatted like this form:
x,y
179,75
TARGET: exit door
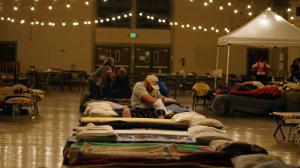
x,y
151,60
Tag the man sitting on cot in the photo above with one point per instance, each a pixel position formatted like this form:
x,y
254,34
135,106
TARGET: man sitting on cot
x,y
146,100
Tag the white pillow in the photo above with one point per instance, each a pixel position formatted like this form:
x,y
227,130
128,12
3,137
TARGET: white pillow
x,y
205,138
187,117
202,128
101,109
252,160
207,122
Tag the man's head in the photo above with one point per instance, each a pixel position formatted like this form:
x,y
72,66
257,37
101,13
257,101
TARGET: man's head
x,y
151,83
122,72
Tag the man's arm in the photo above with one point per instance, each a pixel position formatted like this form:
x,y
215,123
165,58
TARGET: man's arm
x,y
148,99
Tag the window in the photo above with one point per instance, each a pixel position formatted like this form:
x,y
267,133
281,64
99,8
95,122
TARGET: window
x,y
117,56
153,14
108,53
8,52
298,11
156,57
114,13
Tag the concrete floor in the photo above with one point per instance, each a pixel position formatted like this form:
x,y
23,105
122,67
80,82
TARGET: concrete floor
x,y
38,143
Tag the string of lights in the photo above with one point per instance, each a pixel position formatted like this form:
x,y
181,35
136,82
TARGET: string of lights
x,y
150,17
236,9
178,24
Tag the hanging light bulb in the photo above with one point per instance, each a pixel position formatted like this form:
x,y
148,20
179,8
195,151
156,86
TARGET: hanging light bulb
x,y
229,3
249,6
292,18
32,8
50,7
221,7
205,4
16,8
194,28
250,13
63,24
22,21
210,1
87,3
269,8
68,5
42,24
235,11
289,10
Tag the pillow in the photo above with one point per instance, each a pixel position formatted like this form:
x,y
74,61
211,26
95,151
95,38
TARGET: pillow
x,y
207,122
273,164
101,109
202,128
205,138
187,117
236,148
250,161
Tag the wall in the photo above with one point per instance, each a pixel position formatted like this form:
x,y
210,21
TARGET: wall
x,y
144,36
56,47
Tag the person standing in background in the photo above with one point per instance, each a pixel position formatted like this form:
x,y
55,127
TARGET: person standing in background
x,y
295,70
121,88
261,68
100,81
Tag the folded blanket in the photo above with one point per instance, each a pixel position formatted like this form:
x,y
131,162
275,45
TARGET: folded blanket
x,y
146,135
142,152
96,136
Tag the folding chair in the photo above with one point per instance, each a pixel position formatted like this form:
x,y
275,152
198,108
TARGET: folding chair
x,y
200,92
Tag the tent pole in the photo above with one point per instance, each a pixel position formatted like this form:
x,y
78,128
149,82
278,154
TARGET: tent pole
x,y
227,67
217,65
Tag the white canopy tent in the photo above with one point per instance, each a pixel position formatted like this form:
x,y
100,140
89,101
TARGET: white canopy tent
x,y
266,30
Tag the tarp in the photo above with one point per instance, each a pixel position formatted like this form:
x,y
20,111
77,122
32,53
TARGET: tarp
x,y
266,30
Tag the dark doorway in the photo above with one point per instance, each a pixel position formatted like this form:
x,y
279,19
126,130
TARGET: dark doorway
x,y
254,54
8,51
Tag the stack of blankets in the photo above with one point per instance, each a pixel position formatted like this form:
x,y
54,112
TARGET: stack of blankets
x,y
188,139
